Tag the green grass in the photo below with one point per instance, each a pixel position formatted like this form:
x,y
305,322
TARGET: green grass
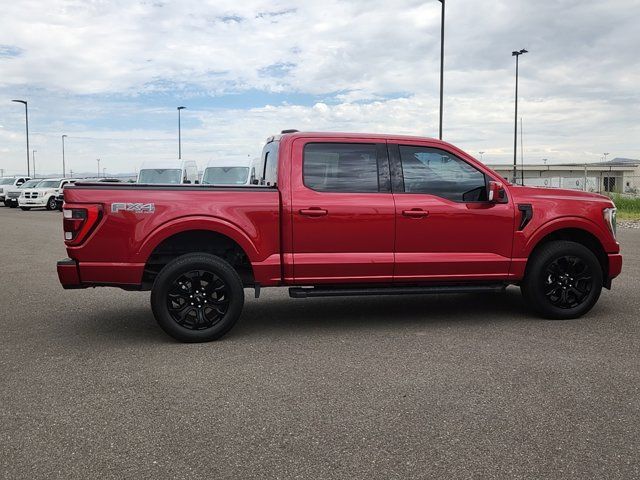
x,y
628,208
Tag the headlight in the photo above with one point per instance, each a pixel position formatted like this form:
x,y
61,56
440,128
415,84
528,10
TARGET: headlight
x,y
610,218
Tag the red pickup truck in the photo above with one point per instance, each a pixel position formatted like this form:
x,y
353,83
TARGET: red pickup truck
x,y
333,214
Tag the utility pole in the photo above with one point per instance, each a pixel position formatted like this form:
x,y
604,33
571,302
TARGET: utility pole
x,y
63,167
481,156
26,117
180,134
441,66
515,127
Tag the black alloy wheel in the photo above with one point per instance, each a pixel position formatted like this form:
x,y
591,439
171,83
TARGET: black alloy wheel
x,y
197,297
51,203
569,281
563,280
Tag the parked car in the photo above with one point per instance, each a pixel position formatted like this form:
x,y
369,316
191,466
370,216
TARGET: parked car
x,y
9,183
44,194
225,172
352,214
168,172
12,193
60,196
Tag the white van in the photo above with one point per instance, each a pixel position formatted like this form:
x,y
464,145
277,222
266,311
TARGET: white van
x,y
168,172
220,172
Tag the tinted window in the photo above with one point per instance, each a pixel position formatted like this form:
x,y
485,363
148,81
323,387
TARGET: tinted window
x,y
434,171
341,167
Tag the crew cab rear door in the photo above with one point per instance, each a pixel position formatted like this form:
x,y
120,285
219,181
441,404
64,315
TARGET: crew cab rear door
x,y
343,211
446,229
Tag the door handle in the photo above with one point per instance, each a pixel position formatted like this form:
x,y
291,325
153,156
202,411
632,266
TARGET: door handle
x,y
313,212
415,213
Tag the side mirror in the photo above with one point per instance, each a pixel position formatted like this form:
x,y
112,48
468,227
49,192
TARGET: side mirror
x,y
495,192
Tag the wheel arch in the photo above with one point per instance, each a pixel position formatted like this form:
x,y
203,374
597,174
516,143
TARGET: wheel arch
x,y
583,234
198,234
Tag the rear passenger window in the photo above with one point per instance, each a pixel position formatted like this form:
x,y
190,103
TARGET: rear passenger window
x,y
440,173
340,167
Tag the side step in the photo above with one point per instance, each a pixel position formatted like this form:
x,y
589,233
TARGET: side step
x,y
308,292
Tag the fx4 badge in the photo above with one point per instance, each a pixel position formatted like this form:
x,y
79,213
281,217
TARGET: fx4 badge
x,y
133,207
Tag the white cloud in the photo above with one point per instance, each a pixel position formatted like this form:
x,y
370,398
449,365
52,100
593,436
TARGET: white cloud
x,y
98,71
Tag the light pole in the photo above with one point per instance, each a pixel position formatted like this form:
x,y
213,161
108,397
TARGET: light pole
x,y
98,160
180,134
26,117
33,156
515,124
605,156
63,167
481,156
441,65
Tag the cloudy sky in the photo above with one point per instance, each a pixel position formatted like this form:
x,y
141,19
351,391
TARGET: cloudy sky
x,y
110,74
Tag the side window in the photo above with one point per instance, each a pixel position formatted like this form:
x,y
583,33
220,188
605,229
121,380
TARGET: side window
x,y
440,173
341,167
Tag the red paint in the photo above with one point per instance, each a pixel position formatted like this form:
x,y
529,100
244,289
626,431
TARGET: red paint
x,y
298,236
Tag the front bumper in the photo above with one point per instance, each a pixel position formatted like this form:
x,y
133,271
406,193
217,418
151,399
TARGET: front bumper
x,y
32,202
615,265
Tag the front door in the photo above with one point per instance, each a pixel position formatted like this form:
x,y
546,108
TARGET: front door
x,y
343,212
445,227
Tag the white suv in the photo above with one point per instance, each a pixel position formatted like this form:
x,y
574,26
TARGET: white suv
x,y
8,183
44,194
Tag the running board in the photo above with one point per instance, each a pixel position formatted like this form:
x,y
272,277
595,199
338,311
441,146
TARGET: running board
x,y
308,292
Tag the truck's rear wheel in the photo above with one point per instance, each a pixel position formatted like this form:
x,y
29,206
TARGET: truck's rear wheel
x,y
197,297
563,280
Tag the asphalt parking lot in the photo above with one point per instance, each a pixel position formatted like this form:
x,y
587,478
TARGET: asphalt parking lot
x,y
464,386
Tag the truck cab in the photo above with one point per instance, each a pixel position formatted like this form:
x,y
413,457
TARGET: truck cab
x,y
169,172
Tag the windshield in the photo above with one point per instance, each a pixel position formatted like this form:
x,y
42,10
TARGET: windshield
x,y
225,175
30,183
49,184
7,181
160,175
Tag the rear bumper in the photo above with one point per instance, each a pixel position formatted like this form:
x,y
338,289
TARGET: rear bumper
x,y
73,274
68,273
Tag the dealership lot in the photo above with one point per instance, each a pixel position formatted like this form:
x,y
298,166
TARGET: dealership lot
x,y
391,387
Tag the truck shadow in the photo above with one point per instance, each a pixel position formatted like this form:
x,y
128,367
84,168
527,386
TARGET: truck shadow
x,y
282,314
277,314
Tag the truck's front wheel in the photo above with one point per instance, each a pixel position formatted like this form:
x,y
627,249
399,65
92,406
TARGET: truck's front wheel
x,y
563,280
197,297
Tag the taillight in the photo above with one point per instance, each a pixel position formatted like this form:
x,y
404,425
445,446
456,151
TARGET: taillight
x,y
78,222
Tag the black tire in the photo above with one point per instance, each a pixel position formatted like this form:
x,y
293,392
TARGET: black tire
x,y
26,209
51,203
563,280
191,281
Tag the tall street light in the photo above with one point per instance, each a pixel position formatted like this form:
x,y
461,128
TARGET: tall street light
x,y
63,167
98,160
33,156
179,134
441,65
26,117
515,124
481,156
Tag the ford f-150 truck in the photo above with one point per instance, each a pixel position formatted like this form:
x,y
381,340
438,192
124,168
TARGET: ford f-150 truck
x,y
340,214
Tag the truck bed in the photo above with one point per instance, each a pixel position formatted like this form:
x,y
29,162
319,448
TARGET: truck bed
x,y
137,218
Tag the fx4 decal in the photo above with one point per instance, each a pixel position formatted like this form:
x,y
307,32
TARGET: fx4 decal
x,y
133,207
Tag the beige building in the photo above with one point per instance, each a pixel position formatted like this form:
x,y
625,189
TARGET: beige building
x,y
620,175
